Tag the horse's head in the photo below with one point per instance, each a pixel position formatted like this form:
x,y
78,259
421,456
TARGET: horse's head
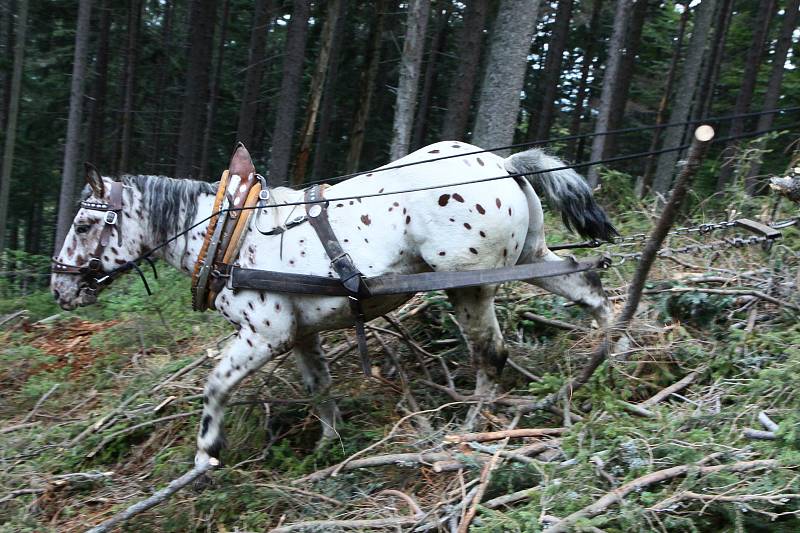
x,y
94,248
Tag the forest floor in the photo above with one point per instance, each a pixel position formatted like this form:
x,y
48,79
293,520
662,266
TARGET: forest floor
x,y
100,408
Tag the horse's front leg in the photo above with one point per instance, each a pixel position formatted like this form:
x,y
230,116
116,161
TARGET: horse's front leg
x,y
242,356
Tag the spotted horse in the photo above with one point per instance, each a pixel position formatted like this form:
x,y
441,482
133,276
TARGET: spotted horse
x,y
449,228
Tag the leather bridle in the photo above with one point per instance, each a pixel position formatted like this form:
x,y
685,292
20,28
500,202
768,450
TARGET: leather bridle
x,y
94,274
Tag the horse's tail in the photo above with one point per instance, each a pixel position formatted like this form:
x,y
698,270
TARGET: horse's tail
x,y
566,191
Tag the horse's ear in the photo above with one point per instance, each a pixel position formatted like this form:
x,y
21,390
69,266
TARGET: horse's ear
x,y
94,179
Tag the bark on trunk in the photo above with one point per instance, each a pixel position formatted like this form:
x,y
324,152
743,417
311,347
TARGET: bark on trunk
x,y
706,95
201,35
610,84
213,92
782,47
552,71
583,85
685,91
619,100
505,73
465,78
6,50
255,71
367,89
97,105
646,179
13,113
134,18
328,108
291,82
744,97
73,143
438,41
408,85
162,74
317,85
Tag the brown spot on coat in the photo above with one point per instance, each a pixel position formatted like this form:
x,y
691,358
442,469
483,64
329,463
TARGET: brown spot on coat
x,y
366,220
434,152
408,219
467,225
458,198
480,209
474,251
498,203
483,234
480,161
441,253
443,199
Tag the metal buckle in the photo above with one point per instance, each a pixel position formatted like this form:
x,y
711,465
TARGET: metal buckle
x,y
95,265
263,195
111,217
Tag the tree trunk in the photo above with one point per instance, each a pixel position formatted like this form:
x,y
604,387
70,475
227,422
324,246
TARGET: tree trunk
x,y
195,96
499,103
317,85
706,95
438,42
131,58
465,78
552,71
328,107
744,97
6,50
685,91
255,71
408,85
610,84
774,85
619,99
583,86
367,91
162,74
97,104
291,83
13,113
72,146
213,92
646,179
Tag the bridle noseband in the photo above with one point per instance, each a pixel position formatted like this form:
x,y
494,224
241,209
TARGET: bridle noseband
x,y
93,271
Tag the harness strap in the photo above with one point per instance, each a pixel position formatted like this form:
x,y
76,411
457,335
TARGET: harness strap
x,y
341,262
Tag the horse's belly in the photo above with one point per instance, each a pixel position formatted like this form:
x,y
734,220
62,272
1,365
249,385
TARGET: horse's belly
x,y
330,313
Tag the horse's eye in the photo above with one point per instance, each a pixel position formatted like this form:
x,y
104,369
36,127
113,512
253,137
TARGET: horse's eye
x,y
83,228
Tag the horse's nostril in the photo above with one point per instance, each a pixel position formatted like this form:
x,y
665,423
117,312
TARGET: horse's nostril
x,y
56,294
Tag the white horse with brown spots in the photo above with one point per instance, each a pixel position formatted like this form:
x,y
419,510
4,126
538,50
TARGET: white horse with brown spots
x,y
451,228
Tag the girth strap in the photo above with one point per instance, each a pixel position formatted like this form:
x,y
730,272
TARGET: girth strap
x,y
349,276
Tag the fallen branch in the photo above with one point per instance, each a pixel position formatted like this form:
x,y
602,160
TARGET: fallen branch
x,y
758,434
508,433
554,322
327,525
191,366
667,392
729,292
767,422
616,495
39,403
507,499
156,498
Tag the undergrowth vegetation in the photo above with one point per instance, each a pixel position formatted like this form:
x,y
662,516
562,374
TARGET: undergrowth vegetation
x,y
100,406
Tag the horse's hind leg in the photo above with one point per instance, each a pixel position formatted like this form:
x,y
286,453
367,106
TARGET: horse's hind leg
x,y
474,308
583,288
310,360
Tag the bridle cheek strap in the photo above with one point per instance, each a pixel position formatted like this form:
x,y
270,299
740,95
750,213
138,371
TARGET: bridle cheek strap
x,y
94,266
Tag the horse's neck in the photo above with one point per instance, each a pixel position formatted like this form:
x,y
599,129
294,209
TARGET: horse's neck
x,y
183,251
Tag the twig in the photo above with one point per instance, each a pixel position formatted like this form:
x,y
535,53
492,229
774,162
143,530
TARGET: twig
x,y
767,422
12,316
40,402
156,498
730,292
15,427
507,499
675,387
507,433
758,434
554,322
522,370
19,492
616,495
191,366
412,503
327,525
335,469
123,431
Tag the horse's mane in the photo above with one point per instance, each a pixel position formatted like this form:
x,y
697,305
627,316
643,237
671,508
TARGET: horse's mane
x,y
164,197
